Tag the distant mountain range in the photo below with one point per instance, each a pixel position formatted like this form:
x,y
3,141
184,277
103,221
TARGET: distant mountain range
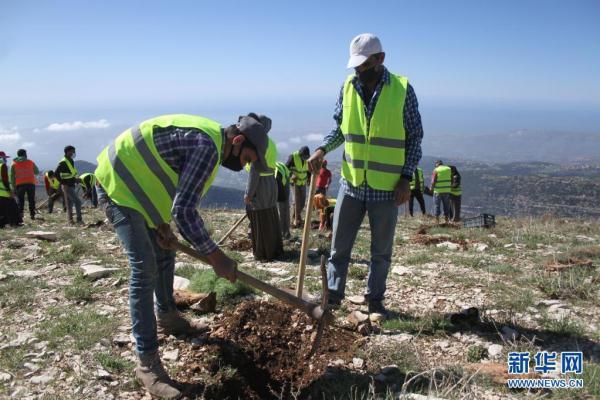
x,y
522,145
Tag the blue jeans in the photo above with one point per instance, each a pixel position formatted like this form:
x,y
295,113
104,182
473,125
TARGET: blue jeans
x,y
442,199
152,269
348,215
73,200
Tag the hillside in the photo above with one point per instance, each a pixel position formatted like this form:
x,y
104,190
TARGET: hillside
x,y
534,282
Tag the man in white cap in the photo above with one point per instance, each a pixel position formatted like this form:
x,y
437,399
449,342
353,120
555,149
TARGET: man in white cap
x,y
378,120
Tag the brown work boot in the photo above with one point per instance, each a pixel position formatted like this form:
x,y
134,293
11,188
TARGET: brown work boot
x,y
175,323
155,379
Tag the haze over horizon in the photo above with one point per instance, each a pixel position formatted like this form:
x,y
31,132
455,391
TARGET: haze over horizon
x,y
74,73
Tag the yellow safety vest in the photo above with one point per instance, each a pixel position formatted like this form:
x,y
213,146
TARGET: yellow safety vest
x,y
134,175
54,183
72,170
300,169
443,179
282,170
374,150
418,173
4,191
92,181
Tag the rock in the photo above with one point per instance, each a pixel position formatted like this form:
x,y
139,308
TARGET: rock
x,y
339,362
122,339
312,253
494,350
42,235
375,317
443,344
364,329
93,271
358,362
400,270
180,282
207,305
358,300
5,377
583,238
103,375
171,355
356,318
550,302
40,379
509,334
3,276
25,273
448,245
21,339
481,247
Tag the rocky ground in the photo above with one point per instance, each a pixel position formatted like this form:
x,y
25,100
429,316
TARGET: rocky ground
x,y
461,300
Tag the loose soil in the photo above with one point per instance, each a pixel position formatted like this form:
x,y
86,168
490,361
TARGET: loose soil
x,y
259,350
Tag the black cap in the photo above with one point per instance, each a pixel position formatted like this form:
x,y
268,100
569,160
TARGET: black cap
x,y
69,148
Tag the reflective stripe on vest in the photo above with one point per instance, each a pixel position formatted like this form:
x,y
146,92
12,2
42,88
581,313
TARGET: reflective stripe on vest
x,y
84,178
443,179
4,191
24,173
72,170
282,170
271,157
374,150
134,175
418,172
54,183
457,191
300,169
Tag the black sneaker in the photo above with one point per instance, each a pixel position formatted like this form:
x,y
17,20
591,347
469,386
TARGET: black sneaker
x,y
333,302
377,307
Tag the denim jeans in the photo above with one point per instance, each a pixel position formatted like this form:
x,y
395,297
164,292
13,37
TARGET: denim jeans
x,y
442,199
348,215
152,269
73,200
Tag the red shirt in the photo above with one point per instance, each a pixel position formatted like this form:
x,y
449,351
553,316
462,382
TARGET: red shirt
x,y
324,178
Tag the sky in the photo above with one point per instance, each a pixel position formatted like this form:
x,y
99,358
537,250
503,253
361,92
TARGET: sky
x,y
74,72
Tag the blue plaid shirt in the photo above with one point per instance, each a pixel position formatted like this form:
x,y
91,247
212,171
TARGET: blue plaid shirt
x,y
193,155
412,127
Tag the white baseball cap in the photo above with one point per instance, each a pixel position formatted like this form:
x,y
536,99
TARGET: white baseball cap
x,y
361,47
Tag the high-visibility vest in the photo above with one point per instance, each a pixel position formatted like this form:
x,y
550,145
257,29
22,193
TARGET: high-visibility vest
x,y
300,169
134,175
455,191
270,157
332,202
24,172
374,150
92,180
4,191
413,183
72,170
282,169
443,179
54,183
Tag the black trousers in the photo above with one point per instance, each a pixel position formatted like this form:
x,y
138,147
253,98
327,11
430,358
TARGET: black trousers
x,y
9,212
29,190
419,196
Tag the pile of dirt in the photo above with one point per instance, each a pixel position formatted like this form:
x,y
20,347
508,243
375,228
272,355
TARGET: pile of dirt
x,y
241,244
422,230
259,350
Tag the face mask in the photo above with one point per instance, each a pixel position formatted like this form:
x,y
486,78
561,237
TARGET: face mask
x,y
368,76
232,162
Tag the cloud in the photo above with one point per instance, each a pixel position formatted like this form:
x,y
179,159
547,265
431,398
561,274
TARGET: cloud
x,y
9,135
282,145
76,125
295,140
314,137
27,145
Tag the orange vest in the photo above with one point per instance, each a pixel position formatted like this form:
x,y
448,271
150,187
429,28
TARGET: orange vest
x,y
23,172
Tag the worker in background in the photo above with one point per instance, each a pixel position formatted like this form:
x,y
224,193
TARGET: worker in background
x,y
417,188
300,178
261,203
282,176
440,185
326,207
53,190
68,178
22,177
9,211
324,179
455,194
88,184
176,158
378,121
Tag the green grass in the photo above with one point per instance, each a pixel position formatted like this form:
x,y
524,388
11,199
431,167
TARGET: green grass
x,y
503,269
205,281
186,271
591,384
72,254
476,353
114,363
12,358
477,262
19,293
85,328
577,282
428,324
358,272
80,290
421,258
563,326
511,299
